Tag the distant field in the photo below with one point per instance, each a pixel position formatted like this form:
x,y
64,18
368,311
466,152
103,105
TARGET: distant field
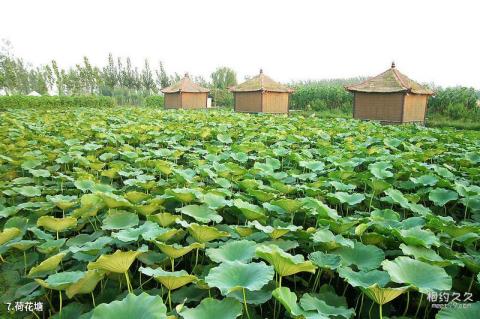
x,y
214,212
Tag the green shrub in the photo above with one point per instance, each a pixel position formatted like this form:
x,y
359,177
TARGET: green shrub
x,y
22,101
319,96
444,98
154,101
457,111
222,97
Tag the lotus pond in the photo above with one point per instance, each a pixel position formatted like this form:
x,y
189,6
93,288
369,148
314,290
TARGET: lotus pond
x,y
129,213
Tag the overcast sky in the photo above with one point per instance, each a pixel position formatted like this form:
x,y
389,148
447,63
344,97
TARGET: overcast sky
x,y
430,41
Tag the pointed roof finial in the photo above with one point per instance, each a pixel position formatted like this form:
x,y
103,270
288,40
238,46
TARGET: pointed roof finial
x,y
261,71
393,64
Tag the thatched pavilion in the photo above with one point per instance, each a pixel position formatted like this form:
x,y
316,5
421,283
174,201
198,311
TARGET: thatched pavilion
x,y
261,94
185,94
390,97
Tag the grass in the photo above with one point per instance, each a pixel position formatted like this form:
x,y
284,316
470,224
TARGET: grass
x,y
442,121
433,120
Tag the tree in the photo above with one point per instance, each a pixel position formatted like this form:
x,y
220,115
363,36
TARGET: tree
x,y
110,74
162,78
147,79
58,78
223,78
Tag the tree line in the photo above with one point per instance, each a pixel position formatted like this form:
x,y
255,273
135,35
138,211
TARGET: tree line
x,y
119,78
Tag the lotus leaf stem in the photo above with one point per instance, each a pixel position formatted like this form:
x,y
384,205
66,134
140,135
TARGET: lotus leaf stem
x,y
471,283
406,306
370,311
419,305
93,299
1,258
60,311
169,300
25,263
380,310
245,302
172,263
129,286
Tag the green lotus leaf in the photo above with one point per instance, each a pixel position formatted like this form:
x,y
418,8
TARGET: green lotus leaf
x,y
118,262
61,280
425,180
314,166
378,185
136,197
91,247
23,244
143,305
201,213
86,284
165,219
397,197
380,170
184,195
452,311
51,246
441,196
170,279
324,260
28,191
120,220
332,241
256,297
421,253
319,208
291,206
425,277
203,233
90,204
176,251
8,211
310,303
417,236
383,295
235,275
85,185
277,231
62,201
238,250
8,234
250,211
284,263
54,224
114,201
148,231
214,201
209,308
364,257
364,278
350,199
289,300
49,264
243,231
152,206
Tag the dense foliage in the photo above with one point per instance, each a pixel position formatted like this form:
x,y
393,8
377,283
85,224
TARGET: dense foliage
x,y
119,212
154,101
53,102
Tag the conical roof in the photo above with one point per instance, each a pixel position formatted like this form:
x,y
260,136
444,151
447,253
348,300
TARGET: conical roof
x,y
261,82
185,85
390,81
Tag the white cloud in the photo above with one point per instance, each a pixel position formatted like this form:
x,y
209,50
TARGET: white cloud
x,y
431,41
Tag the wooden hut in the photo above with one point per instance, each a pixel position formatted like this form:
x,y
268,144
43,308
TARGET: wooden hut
x,y
261,94
390,97
185,94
